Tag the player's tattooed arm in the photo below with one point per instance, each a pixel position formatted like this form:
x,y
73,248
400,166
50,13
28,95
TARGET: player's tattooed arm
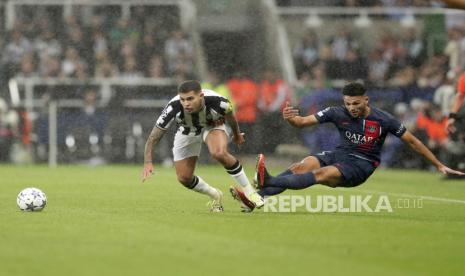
x,y
232,122
155,135
238,137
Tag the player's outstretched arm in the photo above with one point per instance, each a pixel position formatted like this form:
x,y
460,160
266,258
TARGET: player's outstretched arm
x,y
155,135
419,147
238,136
291,115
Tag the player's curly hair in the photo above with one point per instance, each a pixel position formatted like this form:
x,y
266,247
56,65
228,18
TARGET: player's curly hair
x,y
190,85
354,89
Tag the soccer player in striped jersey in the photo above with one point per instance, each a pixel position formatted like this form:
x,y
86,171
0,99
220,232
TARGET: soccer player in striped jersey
x,y
200,115
363,130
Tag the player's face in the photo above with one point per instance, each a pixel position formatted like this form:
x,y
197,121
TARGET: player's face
x,y
356,105
192,101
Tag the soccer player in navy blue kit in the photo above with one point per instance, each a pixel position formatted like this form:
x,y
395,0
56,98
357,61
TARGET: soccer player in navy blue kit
x,y
363,129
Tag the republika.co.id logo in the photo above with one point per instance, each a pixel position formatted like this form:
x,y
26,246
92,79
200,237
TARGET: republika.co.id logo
x,y
339,203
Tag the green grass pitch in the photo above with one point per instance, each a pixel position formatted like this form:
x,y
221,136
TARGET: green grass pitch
x,y
104,221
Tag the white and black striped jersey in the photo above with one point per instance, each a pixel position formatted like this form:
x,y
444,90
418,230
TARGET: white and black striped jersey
x,y
216,106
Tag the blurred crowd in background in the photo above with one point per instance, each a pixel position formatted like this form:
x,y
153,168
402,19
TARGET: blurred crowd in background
x,y
362,3
150,43
399,75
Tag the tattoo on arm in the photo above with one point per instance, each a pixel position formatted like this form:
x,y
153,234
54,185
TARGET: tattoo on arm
x,y
231,120
153,139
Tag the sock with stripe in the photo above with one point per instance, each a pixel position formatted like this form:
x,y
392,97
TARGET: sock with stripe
x,y
199,185
237,172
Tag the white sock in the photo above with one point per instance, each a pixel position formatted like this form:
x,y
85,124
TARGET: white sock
x,y
203,188
237,172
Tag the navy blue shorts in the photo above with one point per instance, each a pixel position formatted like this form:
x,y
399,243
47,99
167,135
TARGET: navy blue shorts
x,y
354,170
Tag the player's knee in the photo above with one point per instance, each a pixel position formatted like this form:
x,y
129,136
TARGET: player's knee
x,y
219,154
298,168
325,178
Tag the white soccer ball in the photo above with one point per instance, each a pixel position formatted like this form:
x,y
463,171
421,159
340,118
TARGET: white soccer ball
x,y
31,199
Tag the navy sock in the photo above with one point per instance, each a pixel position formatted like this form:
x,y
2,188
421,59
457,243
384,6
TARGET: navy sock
x,y
271,191
293,182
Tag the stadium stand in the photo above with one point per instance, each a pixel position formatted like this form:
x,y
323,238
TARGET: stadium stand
x,y
133,54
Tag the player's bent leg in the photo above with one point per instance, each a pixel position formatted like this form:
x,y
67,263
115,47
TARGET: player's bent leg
x,y
217,142
185,173
329,176
185,170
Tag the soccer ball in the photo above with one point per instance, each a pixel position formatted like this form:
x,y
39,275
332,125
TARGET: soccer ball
x,y
31,199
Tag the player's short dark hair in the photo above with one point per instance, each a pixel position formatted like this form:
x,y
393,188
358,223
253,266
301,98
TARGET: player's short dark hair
x,y
190,85
354,89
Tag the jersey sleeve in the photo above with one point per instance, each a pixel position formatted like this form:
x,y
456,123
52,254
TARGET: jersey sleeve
x,y
226,106
166,118
326,115
395,127
220,104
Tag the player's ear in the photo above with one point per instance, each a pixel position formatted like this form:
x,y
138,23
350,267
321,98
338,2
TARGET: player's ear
x,y
201,94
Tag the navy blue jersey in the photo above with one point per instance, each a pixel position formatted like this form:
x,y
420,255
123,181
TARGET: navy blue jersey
x,y
362,137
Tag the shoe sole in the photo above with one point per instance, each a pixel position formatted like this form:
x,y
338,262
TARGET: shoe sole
x,y
242,199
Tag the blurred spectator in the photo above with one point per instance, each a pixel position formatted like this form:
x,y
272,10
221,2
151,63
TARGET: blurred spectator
x,y
273,93
27,67
8,130
452,49
355,66
16,48
244,93
121,31
100,44
51,67
341,43
46,45
106,69
178,51
71,62
378,68
414,46
130,70
87,127
405,77
214,83
306,52
434,123
444,95
156,67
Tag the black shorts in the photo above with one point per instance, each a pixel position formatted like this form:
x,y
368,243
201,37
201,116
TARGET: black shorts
x,y
354,170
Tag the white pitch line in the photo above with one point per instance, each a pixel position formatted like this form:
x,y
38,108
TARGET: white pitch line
x,y
432,198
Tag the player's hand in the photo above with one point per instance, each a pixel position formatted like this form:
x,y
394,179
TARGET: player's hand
x,y
446,170
450,127
289,112
148,171
239,139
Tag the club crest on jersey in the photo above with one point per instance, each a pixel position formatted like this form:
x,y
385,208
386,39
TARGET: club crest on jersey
x,y
372,129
